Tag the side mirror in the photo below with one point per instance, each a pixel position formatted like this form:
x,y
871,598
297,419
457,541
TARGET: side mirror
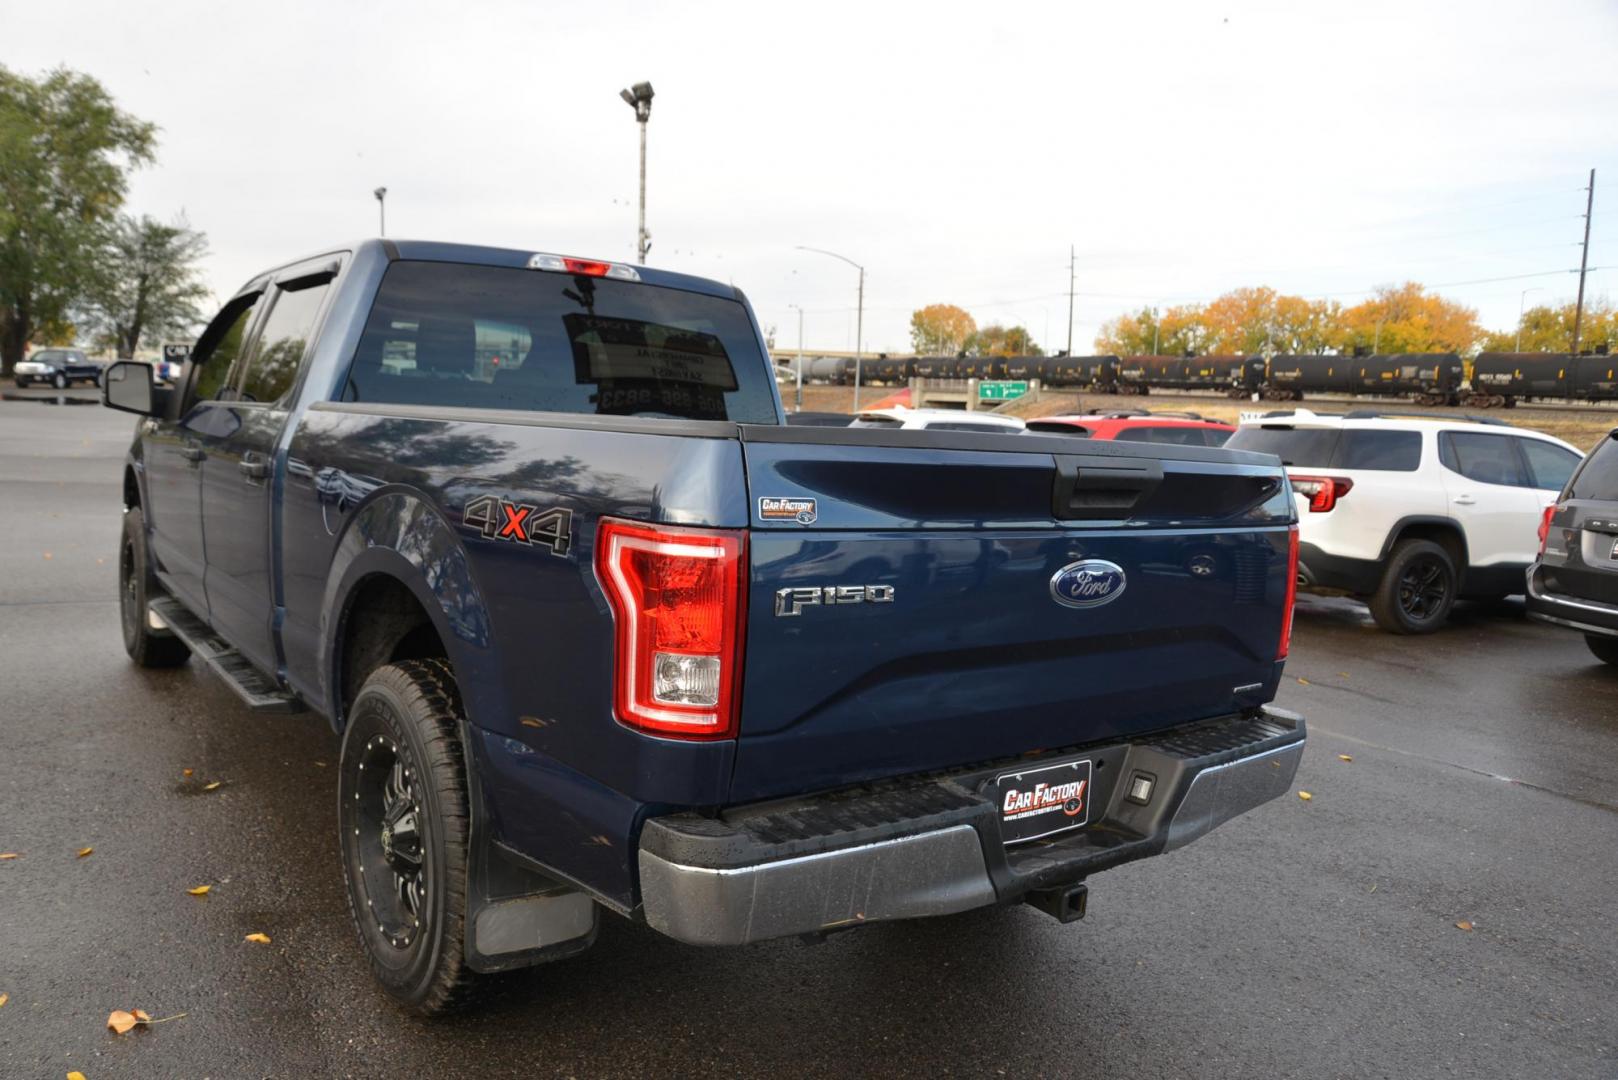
x,y
127,386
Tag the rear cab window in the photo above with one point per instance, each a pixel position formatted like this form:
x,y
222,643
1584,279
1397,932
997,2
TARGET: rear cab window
x,y
488,337
1302,447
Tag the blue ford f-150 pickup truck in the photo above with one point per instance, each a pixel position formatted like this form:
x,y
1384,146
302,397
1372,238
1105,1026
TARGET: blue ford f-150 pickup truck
x,y
599,631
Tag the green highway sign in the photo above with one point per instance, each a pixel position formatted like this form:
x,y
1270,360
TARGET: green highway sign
x,y
1002,390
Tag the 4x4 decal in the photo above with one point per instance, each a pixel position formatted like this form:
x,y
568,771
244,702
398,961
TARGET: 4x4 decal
x,y
521,523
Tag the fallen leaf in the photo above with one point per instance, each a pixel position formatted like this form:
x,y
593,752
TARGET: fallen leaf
x,y
83,852
1463,925
322,764
200,890
9,855
47,555
3,999
1345,757
212,785
142,1015
75,1075
1343,674
1302,681
1305,796
101,562
121,1021
187,772
530,721
262,939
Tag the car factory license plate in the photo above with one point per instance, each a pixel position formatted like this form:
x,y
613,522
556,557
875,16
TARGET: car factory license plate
x,y
1040,801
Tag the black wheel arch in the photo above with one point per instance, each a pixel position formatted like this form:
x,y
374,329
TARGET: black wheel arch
x,y
1447,533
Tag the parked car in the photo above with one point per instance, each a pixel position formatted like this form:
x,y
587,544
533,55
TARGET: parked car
x,y
903,418
60,368
1410,512
1574,582
1183,429
599,632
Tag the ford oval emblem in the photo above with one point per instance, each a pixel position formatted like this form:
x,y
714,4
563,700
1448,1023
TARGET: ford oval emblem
x,y
1088,583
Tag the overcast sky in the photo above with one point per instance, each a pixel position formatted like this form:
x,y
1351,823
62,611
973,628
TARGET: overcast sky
x,y
955,151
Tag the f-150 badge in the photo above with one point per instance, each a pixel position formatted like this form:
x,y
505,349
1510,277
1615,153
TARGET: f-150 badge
x,y
790,602
520,523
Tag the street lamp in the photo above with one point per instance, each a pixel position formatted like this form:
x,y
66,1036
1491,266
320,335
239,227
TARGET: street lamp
x,y
859,323
1520,299
639,98
381,194
799,310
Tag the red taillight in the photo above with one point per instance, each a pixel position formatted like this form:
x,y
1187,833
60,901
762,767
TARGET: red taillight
x,y
679,608
1292,593
1545,526
1323,491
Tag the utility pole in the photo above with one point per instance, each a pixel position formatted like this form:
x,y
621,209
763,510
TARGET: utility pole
x,y
1070,279
1584,260
639,98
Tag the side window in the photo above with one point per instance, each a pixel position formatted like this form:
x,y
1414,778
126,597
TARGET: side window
x,y
1386,451
1488,459
1550,464
218,350
281,344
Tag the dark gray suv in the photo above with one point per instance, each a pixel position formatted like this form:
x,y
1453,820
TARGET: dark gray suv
x,y
1574,582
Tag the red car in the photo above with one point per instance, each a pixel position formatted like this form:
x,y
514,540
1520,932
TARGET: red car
x,y
1182,429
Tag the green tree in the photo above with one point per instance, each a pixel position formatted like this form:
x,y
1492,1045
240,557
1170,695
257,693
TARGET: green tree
x,y
147,282
65,149
997,340
1548,329
940,329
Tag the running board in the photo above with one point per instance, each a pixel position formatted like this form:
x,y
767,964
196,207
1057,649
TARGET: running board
x,y
260,692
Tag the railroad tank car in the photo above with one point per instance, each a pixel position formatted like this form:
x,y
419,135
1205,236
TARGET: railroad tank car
x,y
1430,378
1293,375
1022,367
1501,379
1096,373
887,370
1248,377
1595,377
838,370
1215,371
1138,374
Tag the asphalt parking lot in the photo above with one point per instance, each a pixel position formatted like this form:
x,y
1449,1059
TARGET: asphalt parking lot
x,y
1311,938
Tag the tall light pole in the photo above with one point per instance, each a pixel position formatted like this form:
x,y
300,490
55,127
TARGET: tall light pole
x,y
799,310
381,194
639,98
1520,301
859,321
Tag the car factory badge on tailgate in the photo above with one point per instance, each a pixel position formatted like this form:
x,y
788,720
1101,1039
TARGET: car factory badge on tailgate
x,y
784,509
1039,802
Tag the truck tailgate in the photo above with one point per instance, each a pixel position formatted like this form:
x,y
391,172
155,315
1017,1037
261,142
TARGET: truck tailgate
x,y
903,608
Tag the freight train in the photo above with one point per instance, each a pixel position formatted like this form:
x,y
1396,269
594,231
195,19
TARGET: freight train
x,y
1498,379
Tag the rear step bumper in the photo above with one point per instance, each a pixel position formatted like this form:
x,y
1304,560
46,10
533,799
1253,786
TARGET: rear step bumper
x,y
1577,613
931,845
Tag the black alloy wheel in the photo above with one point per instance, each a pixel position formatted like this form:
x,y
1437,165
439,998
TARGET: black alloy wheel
x,y
404,822
1423,589
1418,588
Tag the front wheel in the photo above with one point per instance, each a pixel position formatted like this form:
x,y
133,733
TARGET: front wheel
x,y
146,646
1417,589
1604,648
59,381
403,821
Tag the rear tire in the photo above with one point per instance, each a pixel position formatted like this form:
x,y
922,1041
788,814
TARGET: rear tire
x,y
1604,648
136,583
1417,589
403,831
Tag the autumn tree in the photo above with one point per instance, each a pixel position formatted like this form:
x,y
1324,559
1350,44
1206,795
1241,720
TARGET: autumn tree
x,y
1550,329
997,340
147,283
1132,334
940,329
1408,319
65,148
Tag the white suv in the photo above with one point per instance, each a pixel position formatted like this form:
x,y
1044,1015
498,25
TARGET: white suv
x,y
937,420
1411,512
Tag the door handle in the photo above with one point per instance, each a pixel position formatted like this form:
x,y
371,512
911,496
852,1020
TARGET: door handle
x,y
253,467
1464,500
194,453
